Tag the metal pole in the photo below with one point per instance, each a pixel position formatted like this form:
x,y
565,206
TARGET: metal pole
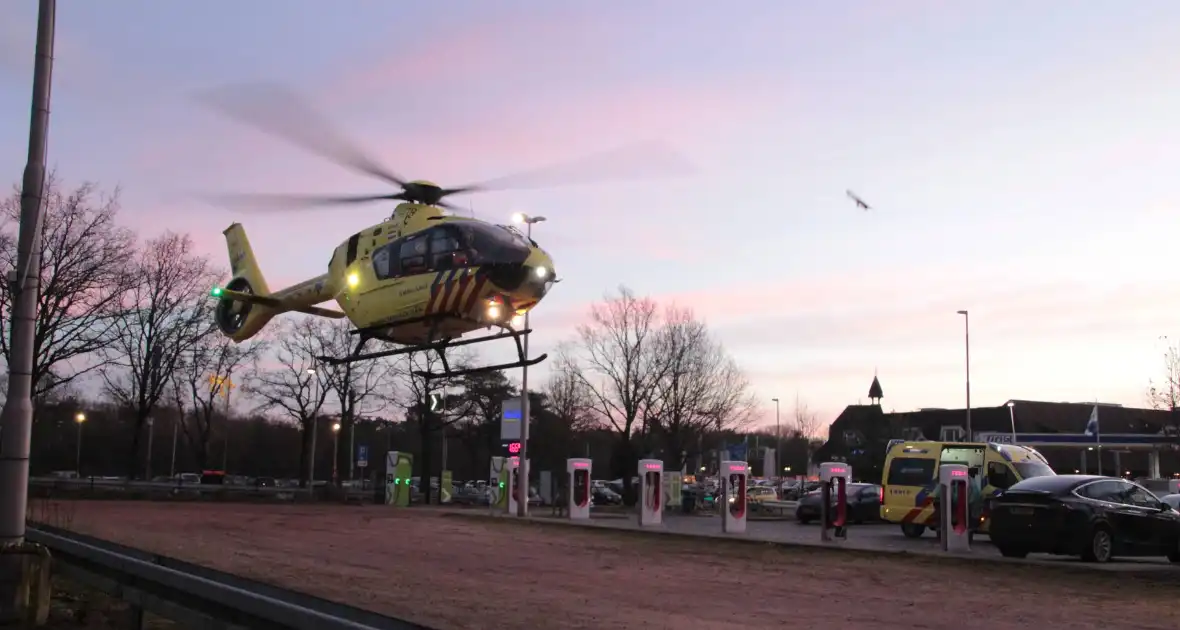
x,y
335,454
315,426
444,437
778,446
967,348
351,433
175,430
522,496
78,459
147,464
225,442
17,418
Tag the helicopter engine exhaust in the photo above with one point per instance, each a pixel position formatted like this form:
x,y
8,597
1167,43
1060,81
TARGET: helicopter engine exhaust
x,y
231,315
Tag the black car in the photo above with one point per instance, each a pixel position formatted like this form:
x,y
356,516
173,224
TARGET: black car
x,y
864,504
1094,517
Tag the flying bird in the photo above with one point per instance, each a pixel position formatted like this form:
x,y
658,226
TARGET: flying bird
x,y
860,203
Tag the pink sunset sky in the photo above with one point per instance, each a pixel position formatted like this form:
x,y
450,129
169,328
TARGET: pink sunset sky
x,y
1020,161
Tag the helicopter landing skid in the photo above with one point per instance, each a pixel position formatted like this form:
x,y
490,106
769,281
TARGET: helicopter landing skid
x,y
440,348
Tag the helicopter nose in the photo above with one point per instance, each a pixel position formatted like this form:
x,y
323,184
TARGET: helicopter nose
x,y
522,277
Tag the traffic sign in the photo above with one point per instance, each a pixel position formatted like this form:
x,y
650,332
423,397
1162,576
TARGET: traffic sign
x,y
362,456
435,402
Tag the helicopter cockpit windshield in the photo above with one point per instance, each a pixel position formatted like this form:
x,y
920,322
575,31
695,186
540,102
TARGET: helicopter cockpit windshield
x,y
495,243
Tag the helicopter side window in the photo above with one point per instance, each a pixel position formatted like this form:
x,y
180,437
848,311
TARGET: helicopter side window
x,y
412,255
445,251
385,261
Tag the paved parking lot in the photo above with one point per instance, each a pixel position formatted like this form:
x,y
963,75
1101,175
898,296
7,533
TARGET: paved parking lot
x,y
869,537
448,572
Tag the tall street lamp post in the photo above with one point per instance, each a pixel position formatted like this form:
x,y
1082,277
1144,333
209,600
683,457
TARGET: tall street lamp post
x,y
522,497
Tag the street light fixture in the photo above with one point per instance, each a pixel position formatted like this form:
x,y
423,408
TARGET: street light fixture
x,y
522,499
79,419
1012,418
967,348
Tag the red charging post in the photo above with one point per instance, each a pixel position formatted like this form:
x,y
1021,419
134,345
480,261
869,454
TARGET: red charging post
x,y
651,488
734,476
834,478
578,470
954,491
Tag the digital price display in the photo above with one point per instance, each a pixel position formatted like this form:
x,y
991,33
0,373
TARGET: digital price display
x,y
514,448
958,473
581,465
836,470
654,467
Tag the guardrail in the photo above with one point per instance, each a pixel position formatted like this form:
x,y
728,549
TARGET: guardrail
x,y
99,485
783,508
197,596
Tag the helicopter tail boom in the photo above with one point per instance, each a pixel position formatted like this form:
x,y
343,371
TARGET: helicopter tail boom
x,y
245,304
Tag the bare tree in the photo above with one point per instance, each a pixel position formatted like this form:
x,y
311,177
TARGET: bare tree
x,y
166,312
621,368
294,383
567,393
412,392
204,379
804,422
84,276
475,412
701,389
357,385
1165,394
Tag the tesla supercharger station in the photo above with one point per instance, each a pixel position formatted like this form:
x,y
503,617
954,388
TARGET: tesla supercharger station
x,y
651,491
579,485
398,469
733,480
834,477
954,528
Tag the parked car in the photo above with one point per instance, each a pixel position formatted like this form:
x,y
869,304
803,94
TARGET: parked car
x,y
864,504
1097,518
603,495
1172,500
758,494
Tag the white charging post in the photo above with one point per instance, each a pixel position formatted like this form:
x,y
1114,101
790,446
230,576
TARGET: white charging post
x,y
651,491
1174,486
954,526
579,488
833,510
734,476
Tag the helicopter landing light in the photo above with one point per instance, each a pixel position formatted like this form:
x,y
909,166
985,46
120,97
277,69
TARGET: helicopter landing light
x,y
216,292
541,272
494,311
353,279
518,321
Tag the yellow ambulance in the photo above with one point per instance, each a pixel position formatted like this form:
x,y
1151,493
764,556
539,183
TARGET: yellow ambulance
x,y
911,476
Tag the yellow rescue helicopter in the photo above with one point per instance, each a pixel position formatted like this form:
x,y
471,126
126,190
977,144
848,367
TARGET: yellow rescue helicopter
x,y
421,279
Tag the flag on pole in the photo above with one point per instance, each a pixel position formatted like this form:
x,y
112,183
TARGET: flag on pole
x,y
1092,425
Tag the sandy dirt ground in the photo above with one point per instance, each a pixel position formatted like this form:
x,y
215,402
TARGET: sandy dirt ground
x,y
461,572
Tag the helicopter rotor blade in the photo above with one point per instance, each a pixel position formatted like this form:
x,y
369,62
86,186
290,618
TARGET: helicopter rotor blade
x,y
282,112
290,203
633,161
